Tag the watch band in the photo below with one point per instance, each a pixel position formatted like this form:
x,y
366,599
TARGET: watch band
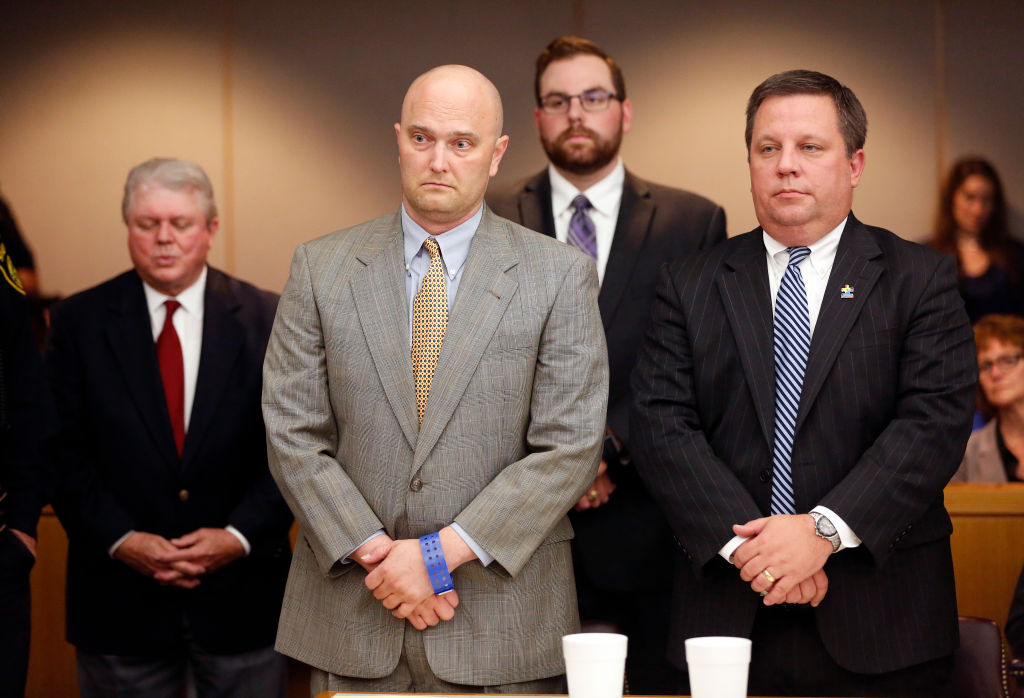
x,y
437,566
834,538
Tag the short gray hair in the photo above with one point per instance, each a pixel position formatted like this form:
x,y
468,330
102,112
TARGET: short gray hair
x,y
173,174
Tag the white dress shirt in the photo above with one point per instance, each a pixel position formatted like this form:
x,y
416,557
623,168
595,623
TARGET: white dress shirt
x,y
815,270
188,323
604,196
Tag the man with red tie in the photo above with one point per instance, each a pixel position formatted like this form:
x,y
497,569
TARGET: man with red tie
x,y
178,546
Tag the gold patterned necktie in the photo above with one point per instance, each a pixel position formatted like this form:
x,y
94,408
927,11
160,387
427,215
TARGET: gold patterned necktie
x,y
429,321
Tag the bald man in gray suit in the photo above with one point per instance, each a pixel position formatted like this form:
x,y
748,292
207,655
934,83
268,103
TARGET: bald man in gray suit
x,y
481,456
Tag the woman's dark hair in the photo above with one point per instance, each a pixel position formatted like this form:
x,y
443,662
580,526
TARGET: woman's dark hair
x,y
995,236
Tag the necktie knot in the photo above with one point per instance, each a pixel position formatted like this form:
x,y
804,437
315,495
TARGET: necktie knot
x,y
433,249
797,255
581,203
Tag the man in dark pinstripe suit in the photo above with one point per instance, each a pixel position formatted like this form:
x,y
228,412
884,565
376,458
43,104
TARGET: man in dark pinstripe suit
x,y
848,588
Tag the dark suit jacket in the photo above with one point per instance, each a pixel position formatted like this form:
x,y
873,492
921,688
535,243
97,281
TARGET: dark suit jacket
x,y
884,415
656,225
27,417
120,470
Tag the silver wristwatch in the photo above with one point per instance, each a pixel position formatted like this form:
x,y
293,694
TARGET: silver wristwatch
x,y
824,529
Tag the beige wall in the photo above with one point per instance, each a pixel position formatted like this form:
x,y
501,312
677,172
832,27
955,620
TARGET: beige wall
x,y
290,110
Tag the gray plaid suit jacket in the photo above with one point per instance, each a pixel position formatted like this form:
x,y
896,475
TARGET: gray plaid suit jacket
x,y
510,439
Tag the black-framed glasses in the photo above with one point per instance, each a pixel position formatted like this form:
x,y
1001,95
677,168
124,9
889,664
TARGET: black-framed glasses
x,y
1005,362
591,100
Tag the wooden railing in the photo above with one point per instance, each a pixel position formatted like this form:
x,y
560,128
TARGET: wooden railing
x,y
988,546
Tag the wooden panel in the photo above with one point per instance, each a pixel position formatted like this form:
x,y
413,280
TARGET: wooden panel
x,y
988,546
51,667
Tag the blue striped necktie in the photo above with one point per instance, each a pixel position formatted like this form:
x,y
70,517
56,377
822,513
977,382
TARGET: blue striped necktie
x,y
792,345
581,229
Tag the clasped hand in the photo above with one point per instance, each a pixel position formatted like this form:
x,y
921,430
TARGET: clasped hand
x,y
179,561
787,547
398,579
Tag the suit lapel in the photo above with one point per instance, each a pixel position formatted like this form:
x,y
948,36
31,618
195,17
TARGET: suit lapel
x,y
129,334
380,300
854,265
747,299
484,293
635,213
223,339
535,205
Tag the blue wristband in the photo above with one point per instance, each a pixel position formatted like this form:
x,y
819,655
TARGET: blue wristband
x,y
437,568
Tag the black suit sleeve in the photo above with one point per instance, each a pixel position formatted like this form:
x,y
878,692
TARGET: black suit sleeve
x,y
668,437
84,504
900,477
261,514
27,415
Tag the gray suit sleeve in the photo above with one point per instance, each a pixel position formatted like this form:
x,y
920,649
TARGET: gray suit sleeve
x,y
512,516
302,437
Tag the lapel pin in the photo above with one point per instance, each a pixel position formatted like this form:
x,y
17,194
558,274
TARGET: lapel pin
x,y
846,291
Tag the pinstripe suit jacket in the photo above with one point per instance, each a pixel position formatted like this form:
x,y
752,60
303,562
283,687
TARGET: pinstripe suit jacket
x,y
510,439
884,415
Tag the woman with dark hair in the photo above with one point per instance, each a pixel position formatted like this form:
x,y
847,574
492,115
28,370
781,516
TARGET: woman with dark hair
x,y
995,453
972,225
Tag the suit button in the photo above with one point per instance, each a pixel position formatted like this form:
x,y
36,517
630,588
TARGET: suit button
x,y
416,485
765,475
183,495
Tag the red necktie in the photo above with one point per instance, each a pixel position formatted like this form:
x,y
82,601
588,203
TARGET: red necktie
x,y
172,371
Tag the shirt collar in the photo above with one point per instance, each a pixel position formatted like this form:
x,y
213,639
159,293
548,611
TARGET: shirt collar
x,y
823,251
454,243
604,195
191,298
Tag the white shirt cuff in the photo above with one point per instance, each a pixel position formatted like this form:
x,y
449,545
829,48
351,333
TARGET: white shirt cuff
x,y
485,559
847,538
241,539
117,543
347,559
729,548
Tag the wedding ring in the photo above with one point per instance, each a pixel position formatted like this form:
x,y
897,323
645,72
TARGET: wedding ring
x,y
592,495
768,575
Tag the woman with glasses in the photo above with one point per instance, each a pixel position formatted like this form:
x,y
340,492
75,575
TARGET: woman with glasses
x,y
972,226
995,453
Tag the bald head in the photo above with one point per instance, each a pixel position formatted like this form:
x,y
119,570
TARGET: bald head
x,y
449,145
457,85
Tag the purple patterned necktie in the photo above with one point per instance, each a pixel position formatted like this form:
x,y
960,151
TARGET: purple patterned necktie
x,y
581,228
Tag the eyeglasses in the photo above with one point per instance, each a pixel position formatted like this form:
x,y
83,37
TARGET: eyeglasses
x,y
591,100
1005,362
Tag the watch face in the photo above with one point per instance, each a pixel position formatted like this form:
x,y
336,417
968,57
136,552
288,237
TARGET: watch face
x,y
825,527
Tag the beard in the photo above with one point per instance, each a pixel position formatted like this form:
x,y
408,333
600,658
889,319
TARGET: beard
x,y
579,158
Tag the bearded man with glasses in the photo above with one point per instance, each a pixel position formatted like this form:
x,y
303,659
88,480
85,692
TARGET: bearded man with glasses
x,y
629,227
995,453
